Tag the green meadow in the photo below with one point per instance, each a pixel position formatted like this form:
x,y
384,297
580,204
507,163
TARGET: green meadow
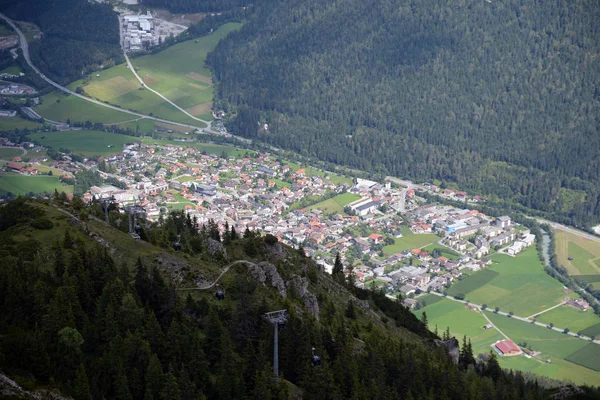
x,y
22,184
10,124
87,143
61,107
7,153
521,285
336,204
410,241
570,317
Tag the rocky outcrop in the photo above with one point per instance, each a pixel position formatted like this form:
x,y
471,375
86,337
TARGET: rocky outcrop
x,y
451,346
300,285
267,273
9,389
216,248
177,268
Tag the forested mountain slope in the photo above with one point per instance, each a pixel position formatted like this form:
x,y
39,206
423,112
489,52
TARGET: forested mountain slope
x,y
77,35
194,6
90,312
502,97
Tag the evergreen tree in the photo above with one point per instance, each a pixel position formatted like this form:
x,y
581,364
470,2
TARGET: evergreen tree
x,y
338,269
81,389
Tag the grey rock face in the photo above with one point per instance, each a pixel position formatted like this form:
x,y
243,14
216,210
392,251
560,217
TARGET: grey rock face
x,y
452,348
216,248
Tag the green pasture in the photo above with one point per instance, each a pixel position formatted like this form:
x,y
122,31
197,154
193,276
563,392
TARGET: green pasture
x,y
10,124
472,282
335,205
582,259
429,299
592,331
7,153
444,251
60,107
522,286
461,321
589,357
569,317
22,184
87,143
410,241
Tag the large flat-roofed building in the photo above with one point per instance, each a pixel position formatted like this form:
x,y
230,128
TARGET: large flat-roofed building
x,y
506,348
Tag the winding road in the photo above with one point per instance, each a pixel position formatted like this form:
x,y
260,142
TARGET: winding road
x,y
25,49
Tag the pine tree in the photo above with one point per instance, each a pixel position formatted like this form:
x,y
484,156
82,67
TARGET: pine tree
x,y
154,378
338,270
233,235
81,391
424,319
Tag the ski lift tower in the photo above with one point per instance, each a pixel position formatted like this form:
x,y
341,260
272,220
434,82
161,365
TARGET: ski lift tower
x,y
106,202
133,211
276,318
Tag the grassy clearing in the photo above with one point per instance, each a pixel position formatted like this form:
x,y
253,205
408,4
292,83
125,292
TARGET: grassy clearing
x,y
461,321
521,286
410,241
472,282
585,253
589,357
87,143
21,184
209,148
429,299
592,331
336,204
336,179
569,317
11,69
7,153
10,124
60,107
444,251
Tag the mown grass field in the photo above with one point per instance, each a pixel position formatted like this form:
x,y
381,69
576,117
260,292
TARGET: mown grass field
x,y
336,204
592,331
22,184
472,282
60,107
553,345
569,317
521,285
10,124
461,321
87,143
178,73
589,357
11,69
585,253
410,241
7,153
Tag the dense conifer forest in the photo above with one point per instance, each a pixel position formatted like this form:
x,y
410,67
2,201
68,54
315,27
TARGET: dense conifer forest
x,y
78,36
195,6
501,98
89,313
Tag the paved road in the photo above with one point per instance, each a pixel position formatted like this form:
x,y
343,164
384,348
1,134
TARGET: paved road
x,y
148,87
25,49
561,330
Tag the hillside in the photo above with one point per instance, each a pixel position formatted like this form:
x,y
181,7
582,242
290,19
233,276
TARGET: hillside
x,y
92,313
500,98
78,36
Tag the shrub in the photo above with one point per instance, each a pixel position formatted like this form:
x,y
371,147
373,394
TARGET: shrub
x,y
42,223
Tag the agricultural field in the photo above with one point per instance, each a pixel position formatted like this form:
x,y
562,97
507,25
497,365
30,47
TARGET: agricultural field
x,y
177,72
588,357
21,184
410,241
569,317
10,124
61,107
554,345
521,285
11,69
592,331
87,143
7,153
472,282
584,254
336,204
461,321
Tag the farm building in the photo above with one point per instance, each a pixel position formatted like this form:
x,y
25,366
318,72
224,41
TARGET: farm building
x,y
506,348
